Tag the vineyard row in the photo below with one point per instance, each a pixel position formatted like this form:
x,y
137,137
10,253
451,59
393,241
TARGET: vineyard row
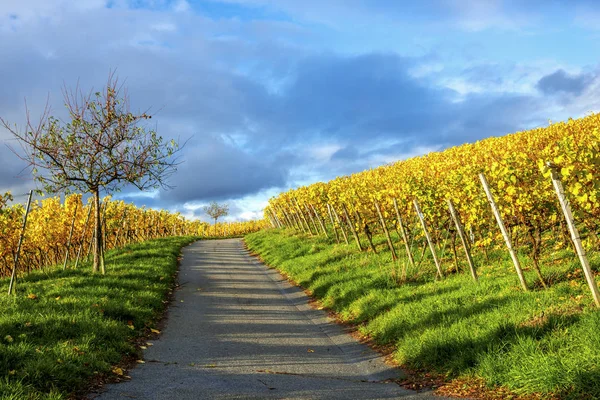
x,y
62,233
523,190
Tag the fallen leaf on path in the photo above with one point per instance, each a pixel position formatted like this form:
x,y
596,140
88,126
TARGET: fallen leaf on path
x,y
117,371
141,362
154,331
310,351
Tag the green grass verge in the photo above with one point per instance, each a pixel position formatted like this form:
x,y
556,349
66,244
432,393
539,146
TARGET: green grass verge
x,y
66,328
544,341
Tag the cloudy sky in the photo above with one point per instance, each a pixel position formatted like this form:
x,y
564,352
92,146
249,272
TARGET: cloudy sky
x,y
275,94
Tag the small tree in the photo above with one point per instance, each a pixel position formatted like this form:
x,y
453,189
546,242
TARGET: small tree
x,y
103,146
216,211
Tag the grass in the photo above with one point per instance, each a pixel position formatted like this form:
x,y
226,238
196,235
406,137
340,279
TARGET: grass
x,y
65,329
542,342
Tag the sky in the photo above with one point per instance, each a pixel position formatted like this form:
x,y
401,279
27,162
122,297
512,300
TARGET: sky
x,y
271,95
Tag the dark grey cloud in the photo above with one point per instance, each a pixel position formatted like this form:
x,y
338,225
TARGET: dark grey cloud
x,y
255,100
562,82
350,98
13,177
361,100
215,170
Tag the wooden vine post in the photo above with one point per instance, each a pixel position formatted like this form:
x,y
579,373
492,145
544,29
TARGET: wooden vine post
x,y
83,237
505,235
566,209
312,219
339,221
274,221
121,226
385,230
366,230
291,216
403,233
13,275
303,217
352,228
70,237
297,220
337,236
320,220
270,216
287,218
429,240
463,238
282,222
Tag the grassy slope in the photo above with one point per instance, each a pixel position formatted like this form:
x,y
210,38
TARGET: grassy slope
x,y
538,342
67,327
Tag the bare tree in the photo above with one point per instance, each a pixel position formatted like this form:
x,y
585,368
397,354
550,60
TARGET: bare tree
x,y
216,211
103,147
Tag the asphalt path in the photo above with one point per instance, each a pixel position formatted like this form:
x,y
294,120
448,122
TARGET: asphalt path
x,y
239,330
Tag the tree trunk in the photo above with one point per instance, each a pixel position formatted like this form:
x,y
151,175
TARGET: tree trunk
x,y
98,247
535,239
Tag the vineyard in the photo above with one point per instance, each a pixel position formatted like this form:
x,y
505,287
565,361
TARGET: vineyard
x,y
62,232
501,192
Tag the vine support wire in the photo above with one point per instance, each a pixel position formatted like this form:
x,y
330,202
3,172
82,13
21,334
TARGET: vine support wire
x,y
13,275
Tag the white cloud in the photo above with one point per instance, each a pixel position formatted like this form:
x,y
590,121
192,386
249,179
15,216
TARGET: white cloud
x,y
181,6
278,96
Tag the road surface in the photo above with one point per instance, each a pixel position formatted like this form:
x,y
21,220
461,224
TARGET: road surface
x,y
238,330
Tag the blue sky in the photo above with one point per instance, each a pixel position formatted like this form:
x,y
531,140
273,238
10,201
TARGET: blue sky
x,y
276,94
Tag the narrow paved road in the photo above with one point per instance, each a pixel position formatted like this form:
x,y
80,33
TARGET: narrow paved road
x,y
238,330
